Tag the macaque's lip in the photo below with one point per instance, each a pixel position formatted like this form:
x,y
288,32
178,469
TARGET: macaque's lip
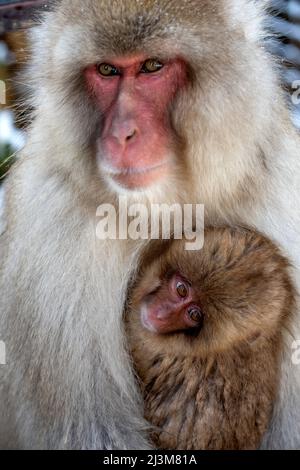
x,y
139,178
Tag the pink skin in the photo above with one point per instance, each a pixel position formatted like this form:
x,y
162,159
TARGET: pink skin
x,y
136,142
168,312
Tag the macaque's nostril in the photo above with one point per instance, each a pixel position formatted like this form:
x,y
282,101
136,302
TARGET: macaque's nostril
x,y
123,133
131,135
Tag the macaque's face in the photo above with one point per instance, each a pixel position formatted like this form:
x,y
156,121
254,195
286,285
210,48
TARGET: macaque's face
x,y
171,308
135,145
132,90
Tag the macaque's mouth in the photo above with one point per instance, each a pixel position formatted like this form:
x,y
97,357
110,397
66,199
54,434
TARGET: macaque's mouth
x,y
135,178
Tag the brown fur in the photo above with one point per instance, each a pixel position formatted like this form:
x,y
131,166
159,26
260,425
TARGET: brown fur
x,y
215,389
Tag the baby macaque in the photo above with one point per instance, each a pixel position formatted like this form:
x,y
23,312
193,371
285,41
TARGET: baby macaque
x,y
205,332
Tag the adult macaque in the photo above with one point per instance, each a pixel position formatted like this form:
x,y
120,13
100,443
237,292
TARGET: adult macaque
x,y
206,336
163,101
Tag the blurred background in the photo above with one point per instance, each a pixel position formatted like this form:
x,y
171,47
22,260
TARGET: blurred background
x,y
17,16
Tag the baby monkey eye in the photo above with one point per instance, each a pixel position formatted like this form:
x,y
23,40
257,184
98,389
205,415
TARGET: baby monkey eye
x,y
182,290
107,70
195,314
151,66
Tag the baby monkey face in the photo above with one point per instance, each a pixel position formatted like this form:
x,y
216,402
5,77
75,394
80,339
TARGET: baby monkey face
x,y
172,307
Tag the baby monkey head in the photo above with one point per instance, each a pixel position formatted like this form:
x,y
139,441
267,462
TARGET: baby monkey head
x,y
236,289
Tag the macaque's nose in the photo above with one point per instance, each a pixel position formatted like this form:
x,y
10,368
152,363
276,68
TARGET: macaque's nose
x,y
124,132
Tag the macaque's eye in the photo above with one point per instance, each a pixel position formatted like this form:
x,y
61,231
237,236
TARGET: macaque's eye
x,y
195,314
107,70
182,290
151,66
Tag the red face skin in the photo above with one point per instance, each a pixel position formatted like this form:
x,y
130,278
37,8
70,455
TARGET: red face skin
x,y
173,309
135,145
